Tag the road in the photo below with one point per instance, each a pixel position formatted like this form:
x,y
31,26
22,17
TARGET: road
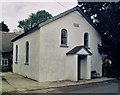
x,y
112,87
102,87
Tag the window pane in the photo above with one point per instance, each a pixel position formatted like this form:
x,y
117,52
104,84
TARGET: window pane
x,y
64,36
16,53
61,41
86,39
27,52
3,62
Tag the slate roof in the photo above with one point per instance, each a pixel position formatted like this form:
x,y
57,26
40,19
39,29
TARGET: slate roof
x,y
76,49
53,19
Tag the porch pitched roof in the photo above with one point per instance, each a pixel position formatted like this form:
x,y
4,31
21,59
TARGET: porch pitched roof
x,y
77,49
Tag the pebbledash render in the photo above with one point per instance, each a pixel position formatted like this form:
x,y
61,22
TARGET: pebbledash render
x,y
62,48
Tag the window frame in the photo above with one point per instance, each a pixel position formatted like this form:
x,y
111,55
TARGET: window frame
x,y
64,38
86,40
16,54
27,53
3,62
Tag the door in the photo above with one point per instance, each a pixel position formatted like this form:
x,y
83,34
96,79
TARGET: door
x,y
82,67
79,65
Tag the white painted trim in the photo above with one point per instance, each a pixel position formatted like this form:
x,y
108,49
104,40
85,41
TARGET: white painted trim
x,y
3,59
82,52
88,67
76,74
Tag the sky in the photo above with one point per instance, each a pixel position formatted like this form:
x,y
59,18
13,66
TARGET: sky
x,y
13,11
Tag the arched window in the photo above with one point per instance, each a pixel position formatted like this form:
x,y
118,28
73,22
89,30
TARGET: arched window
x,y
16,59
64,37
86,40
27,52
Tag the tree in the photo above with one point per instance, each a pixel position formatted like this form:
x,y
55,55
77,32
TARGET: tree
x,y
3,27
34,19
106,17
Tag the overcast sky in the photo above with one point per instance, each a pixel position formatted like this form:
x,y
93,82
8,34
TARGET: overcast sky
x,y
14,11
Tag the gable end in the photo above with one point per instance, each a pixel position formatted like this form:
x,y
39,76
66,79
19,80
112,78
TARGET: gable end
x,y
53,19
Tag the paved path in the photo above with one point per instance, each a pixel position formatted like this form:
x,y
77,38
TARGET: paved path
x,y
17,83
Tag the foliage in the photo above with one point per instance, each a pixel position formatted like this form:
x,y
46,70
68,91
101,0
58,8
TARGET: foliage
x,y
106,17
3,78
3,27
34,19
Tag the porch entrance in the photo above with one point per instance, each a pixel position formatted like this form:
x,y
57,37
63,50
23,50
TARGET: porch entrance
x,y
82,67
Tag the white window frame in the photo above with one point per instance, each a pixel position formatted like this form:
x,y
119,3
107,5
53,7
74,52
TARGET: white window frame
x,y
86,40
27,53
64,38
3,60
16,54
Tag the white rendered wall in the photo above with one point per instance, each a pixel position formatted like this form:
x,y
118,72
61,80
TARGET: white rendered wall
x,y
71,67
48,61
31,70
54,57
96,58
88,67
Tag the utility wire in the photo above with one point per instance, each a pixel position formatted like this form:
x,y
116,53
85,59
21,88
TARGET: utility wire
x,y
64,6
60,4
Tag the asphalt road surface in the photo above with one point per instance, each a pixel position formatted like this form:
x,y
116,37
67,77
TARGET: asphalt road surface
x,y
112,86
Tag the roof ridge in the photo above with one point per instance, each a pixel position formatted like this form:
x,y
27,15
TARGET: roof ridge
x,y
58,16
76,8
